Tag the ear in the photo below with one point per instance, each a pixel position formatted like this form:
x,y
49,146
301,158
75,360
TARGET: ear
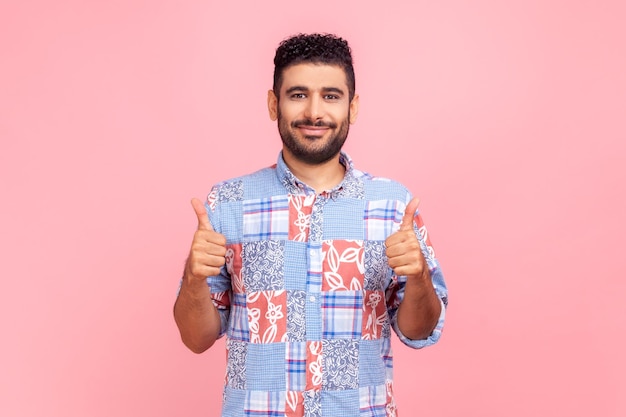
x,y
354,108
272,105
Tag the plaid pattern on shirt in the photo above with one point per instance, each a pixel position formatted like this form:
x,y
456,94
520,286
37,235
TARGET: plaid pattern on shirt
x,y
306,296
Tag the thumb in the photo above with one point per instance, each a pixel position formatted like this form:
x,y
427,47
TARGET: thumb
x,y
201,214
409,214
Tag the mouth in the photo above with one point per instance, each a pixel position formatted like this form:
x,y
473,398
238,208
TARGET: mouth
x,y
309,129
313,131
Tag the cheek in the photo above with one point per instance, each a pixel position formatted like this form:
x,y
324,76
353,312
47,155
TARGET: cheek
x,y
344,113
289,111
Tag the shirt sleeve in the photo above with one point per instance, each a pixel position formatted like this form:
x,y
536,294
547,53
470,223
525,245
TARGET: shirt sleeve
x,y
395,291
221,297
221,285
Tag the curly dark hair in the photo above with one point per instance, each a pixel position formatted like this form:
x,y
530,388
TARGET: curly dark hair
x,y
313,48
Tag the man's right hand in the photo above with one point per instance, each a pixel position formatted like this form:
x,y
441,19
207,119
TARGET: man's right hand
x,y
208,248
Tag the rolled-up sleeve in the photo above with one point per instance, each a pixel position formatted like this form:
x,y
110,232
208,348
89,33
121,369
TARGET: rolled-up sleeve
x,y
221,296
221,285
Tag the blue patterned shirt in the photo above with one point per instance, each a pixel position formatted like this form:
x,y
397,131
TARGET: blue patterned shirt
x,y
306,297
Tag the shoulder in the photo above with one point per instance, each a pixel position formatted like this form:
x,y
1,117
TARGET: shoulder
x,y
377,187
240,188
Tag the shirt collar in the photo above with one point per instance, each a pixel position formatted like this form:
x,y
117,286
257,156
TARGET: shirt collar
x,y
295,186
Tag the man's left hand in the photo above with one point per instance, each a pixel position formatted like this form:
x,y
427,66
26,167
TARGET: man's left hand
x,y
403,248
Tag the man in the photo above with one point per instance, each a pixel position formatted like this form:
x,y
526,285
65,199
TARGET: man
x,y
307,265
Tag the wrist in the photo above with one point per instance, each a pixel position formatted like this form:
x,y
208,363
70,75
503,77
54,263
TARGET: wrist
x,y
194,282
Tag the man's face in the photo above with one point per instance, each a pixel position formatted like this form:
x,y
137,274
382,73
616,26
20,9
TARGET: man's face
x,y
314,111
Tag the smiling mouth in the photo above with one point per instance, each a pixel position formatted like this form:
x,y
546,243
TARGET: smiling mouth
x,y
313,130
309,124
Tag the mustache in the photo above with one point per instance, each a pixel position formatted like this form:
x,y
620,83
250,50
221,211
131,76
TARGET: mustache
x,y
319,123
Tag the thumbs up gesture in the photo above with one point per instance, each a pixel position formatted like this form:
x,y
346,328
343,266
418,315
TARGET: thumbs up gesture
x,y
403,249
208,247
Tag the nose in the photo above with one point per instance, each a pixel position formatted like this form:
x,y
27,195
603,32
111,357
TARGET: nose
x,y
314,109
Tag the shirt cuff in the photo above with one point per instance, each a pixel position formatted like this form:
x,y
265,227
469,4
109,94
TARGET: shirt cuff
x,y
430,340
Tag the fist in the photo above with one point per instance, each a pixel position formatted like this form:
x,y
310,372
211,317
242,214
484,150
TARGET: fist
x,y
208,247
403,251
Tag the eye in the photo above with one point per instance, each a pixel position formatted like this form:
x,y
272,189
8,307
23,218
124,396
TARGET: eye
x,y
298,96
331,97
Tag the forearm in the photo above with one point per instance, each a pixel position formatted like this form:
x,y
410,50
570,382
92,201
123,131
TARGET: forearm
x,y
420,309
196,317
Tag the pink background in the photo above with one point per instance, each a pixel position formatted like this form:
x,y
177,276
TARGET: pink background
x,y
506,117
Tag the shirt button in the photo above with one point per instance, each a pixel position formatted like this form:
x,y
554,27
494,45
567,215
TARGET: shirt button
x,y
312,298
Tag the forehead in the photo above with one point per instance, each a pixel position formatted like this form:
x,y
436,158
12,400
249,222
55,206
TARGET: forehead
x,y
314,76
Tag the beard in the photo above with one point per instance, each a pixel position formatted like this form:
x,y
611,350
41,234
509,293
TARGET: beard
x,y
313,150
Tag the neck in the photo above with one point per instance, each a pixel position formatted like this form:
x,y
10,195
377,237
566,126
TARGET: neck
x,y
321,177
